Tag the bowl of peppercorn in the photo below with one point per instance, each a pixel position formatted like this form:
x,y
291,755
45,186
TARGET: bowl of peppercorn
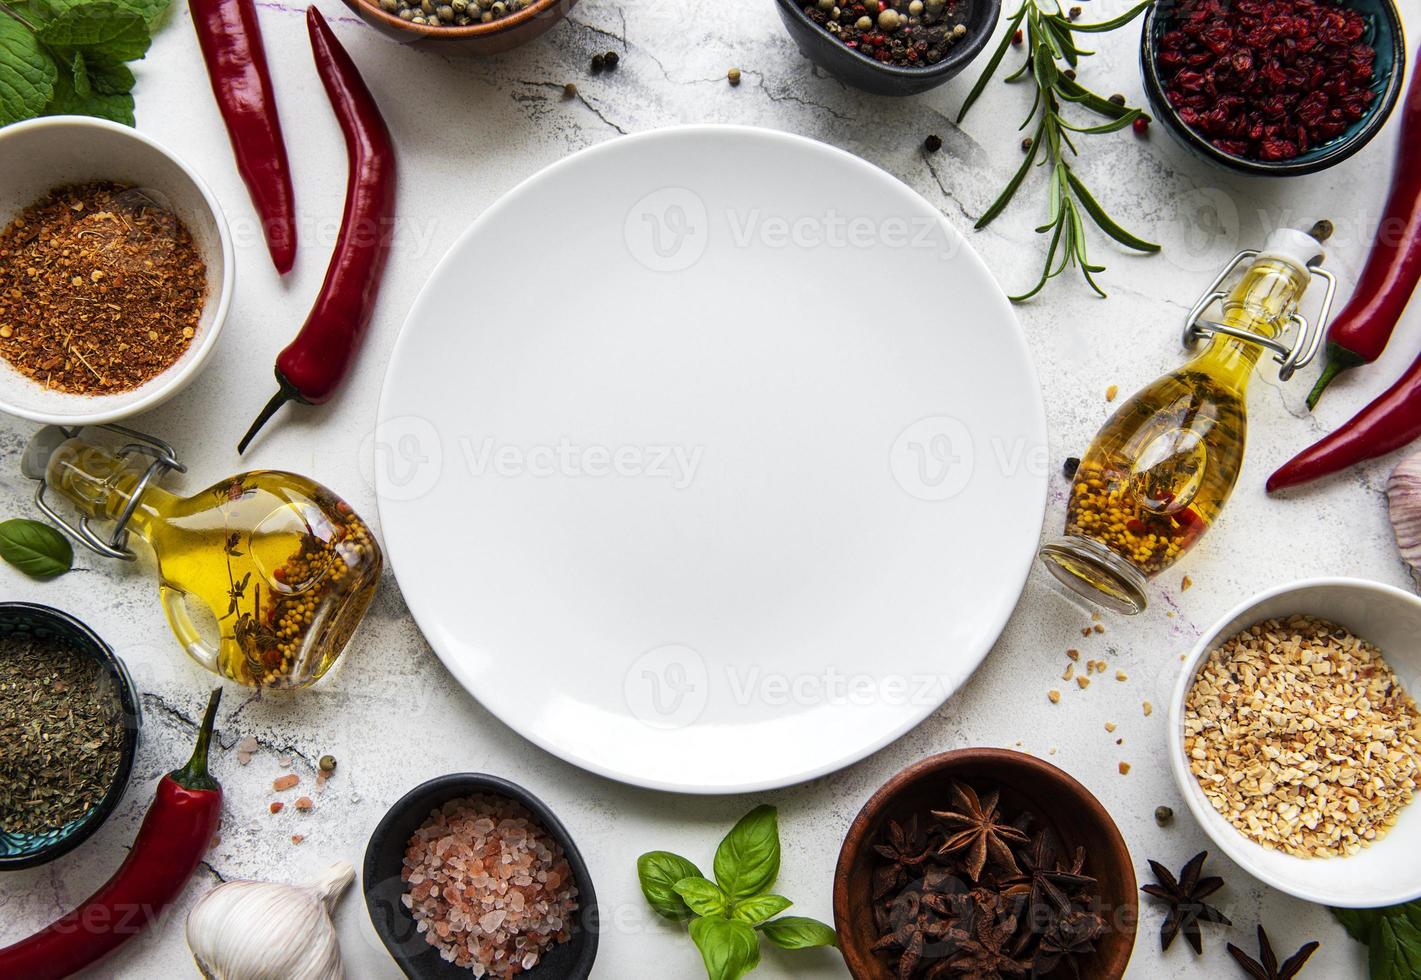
x,y
467,27
985,862
1277,88
891,47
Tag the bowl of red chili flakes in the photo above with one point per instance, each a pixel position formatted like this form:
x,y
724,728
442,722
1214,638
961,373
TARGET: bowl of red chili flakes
x,y
1273,87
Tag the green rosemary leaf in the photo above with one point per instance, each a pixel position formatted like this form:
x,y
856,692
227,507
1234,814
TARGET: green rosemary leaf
x,y
1073,91
1031,116
1000,204
1104,221
1062,41
1115,125
992,63
1099,27
1046,274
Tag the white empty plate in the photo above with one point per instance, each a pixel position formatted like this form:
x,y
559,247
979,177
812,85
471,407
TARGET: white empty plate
x,y
711,459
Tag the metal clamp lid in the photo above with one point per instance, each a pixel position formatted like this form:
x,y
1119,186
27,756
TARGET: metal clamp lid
x,y
162,461
1307,339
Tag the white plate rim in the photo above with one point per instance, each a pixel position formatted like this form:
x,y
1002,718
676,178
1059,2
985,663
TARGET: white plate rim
x,y
912,719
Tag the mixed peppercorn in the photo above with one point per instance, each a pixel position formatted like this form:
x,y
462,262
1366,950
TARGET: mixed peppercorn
x,y
906,33
452,13
1106,507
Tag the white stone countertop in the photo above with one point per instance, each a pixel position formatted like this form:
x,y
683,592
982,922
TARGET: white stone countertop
x,y
469,131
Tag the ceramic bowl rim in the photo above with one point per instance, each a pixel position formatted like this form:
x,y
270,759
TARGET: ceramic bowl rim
x,y
481,782
95,647
468,31
960,56
1339,151
175,378
1072,790
1229,840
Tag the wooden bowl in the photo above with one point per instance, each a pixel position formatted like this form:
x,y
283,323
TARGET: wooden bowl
x,y
1026,782
494,37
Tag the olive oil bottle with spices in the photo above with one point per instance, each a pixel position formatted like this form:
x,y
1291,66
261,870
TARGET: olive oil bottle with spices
x,y
1164,465
263,577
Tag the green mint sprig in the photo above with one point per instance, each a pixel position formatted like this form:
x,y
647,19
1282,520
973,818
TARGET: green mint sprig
x,y
1392,935
727,916
70,56
1051,59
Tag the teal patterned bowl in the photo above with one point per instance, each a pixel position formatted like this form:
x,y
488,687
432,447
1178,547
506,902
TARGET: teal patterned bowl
x,y
1384,33
42,622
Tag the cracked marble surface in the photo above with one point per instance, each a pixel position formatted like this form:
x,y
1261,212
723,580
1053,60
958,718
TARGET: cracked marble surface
x,y
391,714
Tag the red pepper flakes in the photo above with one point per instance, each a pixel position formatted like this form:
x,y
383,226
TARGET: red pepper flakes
x,y
1267,79
277,806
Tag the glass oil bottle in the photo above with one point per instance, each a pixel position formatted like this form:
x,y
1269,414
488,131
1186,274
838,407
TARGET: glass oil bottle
x,y
263,577
1159,472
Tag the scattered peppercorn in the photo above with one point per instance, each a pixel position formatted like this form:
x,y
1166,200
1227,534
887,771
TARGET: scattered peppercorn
x,y
904,33
1117,99
610,60
327,763
1072,464
1026,144
1141,125
1321,230
1164,816
599,61
1070,73
933,143
1016,38
1074,13
569,91
733,76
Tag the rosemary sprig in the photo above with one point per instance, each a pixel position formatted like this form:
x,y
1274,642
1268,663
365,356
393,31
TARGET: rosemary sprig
x,y
1050,41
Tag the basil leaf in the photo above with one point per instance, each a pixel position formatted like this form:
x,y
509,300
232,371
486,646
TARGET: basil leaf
x,y
1358,922
704,897
799,932
36,549
761,907
747,862
659,872
27,73
730,949
109,29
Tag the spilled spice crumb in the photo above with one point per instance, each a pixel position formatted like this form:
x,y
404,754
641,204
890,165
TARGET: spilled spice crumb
x,y
305,804
1111,392
282,783
1073,654
1054,696
1148,708
1124,768
1082,682
297,838
277,806
1186,584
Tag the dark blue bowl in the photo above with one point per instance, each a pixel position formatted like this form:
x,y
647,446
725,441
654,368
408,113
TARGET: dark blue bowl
x,y
385,856
1384,33
871,75
27,619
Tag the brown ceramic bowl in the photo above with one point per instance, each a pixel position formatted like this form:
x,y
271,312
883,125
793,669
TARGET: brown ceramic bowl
x,y
1025,781
475,39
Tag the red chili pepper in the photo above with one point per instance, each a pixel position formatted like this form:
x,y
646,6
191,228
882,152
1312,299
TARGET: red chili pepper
x,y
175,835
1359,333
230,37
1390,422
313,365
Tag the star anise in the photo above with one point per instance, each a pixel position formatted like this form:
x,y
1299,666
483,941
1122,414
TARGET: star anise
x,y
975,827
984,956
932,929
1047,883
1185,898
1266,966
905,848
1072,936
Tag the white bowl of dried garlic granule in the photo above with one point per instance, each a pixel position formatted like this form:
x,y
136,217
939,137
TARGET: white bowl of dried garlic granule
x,y
1296,740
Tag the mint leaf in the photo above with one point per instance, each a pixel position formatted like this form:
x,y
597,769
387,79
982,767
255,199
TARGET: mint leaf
x,y
748,860
27,73
36,549
152,11
68,102
109,29
110,77
730,949
755,910
1396,946
659,873
799,932
703,897
1357,922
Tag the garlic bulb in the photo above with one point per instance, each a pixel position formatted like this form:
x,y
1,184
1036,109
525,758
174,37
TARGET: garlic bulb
x,y
1403,493
259,930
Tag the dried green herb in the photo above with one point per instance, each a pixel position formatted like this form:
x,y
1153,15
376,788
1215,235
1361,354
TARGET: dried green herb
x,y
61,726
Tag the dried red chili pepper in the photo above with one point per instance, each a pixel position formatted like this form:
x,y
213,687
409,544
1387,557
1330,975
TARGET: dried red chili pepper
x,y
313,365
1359,333
229,35
170,844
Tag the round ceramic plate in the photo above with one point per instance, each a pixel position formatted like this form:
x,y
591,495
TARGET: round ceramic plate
x,y
711,459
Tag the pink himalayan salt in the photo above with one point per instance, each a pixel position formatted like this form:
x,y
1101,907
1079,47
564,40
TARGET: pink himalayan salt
x,y
485,884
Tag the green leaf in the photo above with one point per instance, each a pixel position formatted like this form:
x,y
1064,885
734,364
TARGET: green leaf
x,y
1359,923
1004,198
104,105
701,896
27,73
1099,27
1104,221
761,907
992,63
1073,91
79,74
747,862
730,949
109,29
152,11
799,932
110,77
659,873
1113,126
1396,947
36,549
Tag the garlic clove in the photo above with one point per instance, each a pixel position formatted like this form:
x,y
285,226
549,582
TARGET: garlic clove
x,y
1403,493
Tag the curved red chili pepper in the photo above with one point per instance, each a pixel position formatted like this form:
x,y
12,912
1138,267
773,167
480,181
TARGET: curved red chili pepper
x,y
1360,332
1390,422
175,835
230,37
313,365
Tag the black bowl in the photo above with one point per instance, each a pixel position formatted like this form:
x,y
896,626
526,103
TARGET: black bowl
x,y
1384,33
861,71
25,618
385,854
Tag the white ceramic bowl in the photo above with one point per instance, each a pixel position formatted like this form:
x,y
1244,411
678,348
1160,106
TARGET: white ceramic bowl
x,y
41,154
1388,872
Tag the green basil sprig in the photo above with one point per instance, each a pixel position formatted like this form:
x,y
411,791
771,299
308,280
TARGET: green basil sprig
x,y
36,549
728,915
1393,936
